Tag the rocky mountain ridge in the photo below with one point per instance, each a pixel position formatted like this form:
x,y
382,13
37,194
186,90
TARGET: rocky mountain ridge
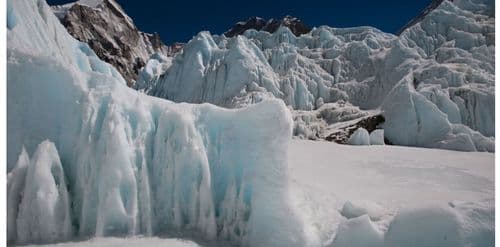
x,y
294,24
112,34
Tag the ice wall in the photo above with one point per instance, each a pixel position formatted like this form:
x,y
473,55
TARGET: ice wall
x,y
121,163
447,59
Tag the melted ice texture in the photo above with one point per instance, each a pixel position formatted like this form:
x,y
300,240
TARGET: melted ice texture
x,y
101,159
434,82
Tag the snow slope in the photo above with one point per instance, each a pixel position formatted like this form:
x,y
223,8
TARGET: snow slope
x,y
409,196
434,82
88,156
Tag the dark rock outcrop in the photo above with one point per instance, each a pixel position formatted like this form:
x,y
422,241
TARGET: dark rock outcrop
x,y
259,24
107,29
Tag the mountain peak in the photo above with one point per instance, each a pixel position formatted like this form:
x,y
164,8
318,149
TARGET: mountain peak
x,y
260,24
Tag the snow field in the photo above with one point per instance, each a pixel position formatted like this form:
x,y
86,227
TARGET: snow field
x,y
393,196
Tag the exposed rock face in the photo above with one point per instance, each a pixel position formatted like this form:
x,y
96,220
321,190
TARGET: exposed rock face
x,y
111,34
175,48
294,24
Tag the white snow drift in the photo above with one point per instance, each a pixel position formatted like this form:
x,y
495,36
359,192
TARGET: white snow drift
x,y
436,75
121,163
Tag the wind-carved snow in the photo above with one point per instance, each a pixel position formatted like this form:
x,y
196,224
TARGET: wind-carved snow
x,y
120,163
445,62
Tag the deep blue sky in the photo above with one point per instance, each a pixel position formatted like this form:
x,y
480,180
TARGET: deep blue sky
x,y
179,20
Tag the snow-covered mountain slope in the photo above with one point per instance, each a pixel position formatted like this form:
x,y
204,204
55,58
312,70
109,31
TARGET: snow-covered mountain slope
x,y
434,83
394,196
101,159
111,33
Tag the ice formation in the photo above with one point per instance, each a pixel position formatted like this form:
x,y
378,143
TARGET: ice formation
x,y
154,68
127,242
437,74
339,118
351,210
360,137
377,137
122,163
43,213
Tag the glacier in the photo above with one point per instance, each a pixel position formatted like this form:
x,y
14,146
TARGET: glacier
x,y
445,62
88,156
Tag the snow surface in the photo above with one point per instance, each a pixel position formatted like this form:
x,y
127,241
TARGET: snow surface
x,y
436,74
408,196
121,163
